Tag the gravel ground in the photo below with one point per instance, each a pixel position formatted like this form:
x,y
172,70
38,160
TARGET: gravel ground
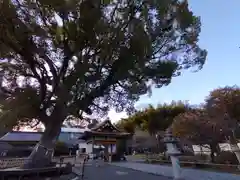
x,y
118,173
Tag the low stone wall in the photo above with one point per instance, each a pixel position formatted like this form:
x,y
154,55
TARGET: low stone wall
x,y
17,162
12,162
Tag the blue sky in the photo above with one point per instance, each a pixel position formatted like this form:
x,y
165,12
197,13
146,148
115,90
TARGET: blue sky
x,y
220,36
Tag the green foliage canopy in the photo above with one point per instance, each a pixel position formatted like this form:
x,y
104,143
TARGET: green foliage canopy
x,y
153,119
88,56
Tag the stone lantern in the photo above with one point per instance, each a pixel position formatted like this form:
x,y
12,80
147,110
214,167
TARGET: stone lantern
x,y
173,151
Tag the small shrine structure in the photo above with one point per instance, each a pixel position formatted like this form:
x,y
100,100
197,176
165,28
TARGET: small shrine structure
x,y
104,134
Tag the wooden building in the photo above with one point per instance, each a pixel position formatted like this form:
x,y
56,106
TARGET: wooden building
x,y
104,134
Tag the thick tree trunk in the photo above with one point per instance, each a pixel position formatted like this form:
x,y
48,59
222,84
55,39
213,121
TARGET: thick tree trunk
x,y
212,157
214,147
42,154
201,149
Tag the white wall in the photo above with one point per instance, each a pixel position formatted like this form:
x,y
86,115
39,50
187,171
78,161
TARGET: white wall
x,y
88,147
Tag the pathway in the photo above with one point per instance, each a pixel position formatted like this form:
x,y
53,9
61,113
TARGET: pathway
x,y
117,173
187,173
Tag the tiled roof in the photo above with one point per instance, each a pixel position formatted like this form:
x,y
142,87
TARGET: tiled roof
x,y
21,136
105,126
66,137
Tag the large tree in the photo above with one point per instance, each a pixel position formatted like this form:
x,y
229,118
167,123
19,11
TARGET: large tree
x,y
224,105
196,126
225,102
66,57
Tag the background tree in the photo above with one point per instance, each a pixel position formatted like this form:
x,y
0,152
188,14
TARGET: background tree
x,y
143,141
198,127
153,121
126,125
225,102
157,119
224,105
61,58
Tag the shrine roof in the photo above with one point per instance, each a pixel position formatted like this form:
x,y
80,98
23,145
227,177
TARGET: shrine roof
x,y
105,125
105,128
